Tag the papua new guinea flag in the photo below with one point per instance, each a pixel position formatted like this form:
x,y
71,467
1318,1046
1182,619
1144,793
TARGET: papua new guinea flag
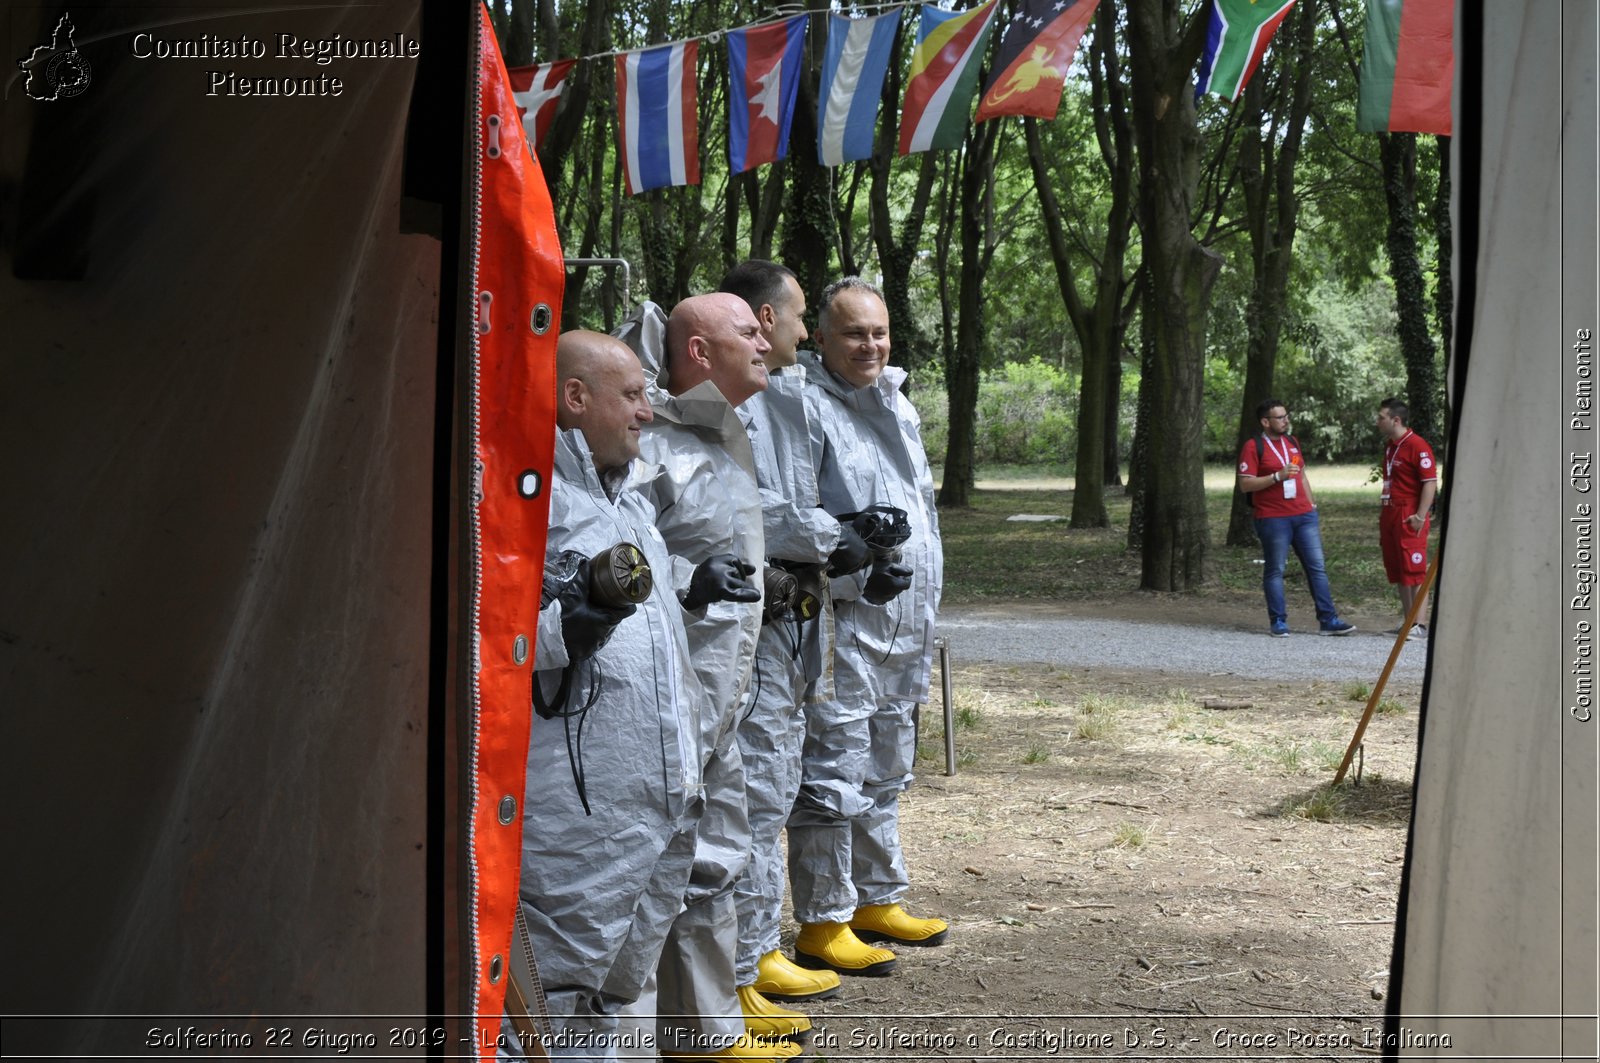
x,y
1408,67
944,76
1036,48
1236,40
763,81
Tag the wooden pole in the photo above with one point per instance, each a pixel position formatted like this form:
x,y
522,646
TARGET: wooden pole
x,y
1394,655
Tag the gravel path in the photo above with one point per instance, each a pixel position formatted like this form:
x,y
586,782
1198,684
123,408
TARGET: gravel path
x,y
978,634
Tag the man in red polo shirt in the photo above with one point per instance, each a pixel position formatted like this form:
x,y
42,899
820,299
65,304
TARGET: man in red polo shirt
x,y
1410,479
1272,472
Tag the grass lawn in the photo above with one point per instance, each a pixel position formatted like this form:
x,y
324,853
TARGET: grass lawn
x,y
990,558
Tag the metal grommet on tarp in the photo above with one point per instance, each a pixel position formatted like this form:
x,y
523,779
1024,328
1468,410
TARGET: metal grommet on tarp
x,y
530,483
519,649
508,810
493,150
542,319
497,969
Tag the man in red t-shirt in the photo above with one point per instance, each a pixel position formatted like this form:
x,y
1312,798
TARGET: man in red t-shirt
x,y
1410,480
1272,472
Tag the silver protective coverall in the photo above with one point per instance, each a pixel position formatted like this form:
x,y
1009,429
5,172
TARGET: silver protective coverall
x,y
599,891
707,503
844,835
793,657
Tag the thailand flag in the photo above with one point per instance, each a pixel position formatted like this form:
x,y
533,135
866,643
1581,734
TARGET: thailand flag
x,y
537,90
853,66
763,81
657,117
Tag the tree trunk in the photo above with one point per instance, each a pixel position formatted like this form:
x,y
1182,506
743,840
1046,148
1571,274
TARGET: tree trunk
x,y
1267,163
898,253
1097,323
1176,538
1139,455
515,29
962,372
810,230
1398,152
573,295
590,83
1112,476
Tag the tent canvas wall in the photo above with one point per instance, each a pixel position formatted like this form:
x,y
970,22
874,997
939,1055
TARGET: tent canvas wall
x,y
1496,936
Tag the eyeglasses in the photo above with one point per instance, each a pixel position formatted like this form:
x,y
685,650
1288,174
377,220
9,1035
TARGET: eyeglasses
x,y
1278,417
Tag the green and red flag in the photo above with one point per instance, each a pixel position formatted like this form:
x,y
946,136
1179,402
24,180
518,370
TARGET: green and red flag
x,y
1236,39
1408,67
944,76
1036,48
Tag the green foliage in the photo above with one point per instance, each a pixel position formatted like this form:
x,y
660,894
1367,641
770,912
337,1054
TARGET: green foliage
x,y
1322,805
1027,413
1130,836
988,558
1339,359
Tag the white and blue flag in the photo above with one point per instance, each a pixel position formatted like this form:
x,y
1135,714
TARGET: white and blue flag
x,y
853,66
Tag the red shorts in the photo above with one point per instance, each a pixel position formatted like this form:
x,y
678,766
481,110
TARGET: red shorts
x,y
1405,553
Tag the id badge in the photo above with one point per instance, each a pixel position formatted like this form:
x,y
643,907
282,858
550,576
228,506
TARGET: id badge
x,y
1386,492
1291,487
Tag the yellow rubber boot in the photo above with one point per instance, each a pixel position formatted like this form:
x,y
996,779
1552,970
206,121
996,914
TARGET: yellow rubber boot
x,y
746,1049
765,1020
780,978
833,945
890,923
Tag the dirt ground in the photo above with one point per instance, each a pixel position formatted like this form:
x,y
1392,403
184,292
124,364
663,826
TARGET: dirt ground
x,y
1143,865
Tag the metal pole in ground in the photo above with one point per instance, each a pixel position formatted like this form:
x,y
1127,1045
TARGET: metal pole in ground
x,y
942,644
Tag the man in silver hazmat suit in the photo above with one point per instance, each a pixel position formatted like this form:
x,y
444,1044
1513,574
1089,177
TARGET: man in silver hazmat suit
x,y
846,870
793,654
613,780
708,358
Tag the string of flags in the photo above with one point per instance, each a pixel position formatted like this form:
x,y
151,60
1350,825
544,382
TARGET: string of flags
x,y
1407,74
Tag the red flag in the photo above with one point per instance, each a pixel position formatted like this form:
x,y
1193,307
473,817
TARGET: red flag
x,y
1408,67
537,90
1035,51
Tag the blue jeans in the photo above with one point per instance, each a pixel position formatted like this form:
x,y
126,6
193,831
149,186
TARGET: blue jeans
x,y
1304,533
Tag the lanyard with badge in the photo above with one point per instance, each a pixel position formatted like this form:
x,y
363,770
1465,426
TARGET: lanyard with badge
x,y
1391,452
1290,484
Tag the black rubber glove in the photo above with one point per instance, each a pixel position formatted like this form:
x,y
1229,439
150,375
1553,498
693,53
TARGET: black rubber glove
x,y
851,555
888,579
722,578
586,625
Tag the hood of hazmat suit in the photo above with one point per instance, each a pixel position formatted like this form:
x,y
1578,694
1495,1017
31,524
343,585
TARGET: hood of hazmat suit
x,y
707,503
